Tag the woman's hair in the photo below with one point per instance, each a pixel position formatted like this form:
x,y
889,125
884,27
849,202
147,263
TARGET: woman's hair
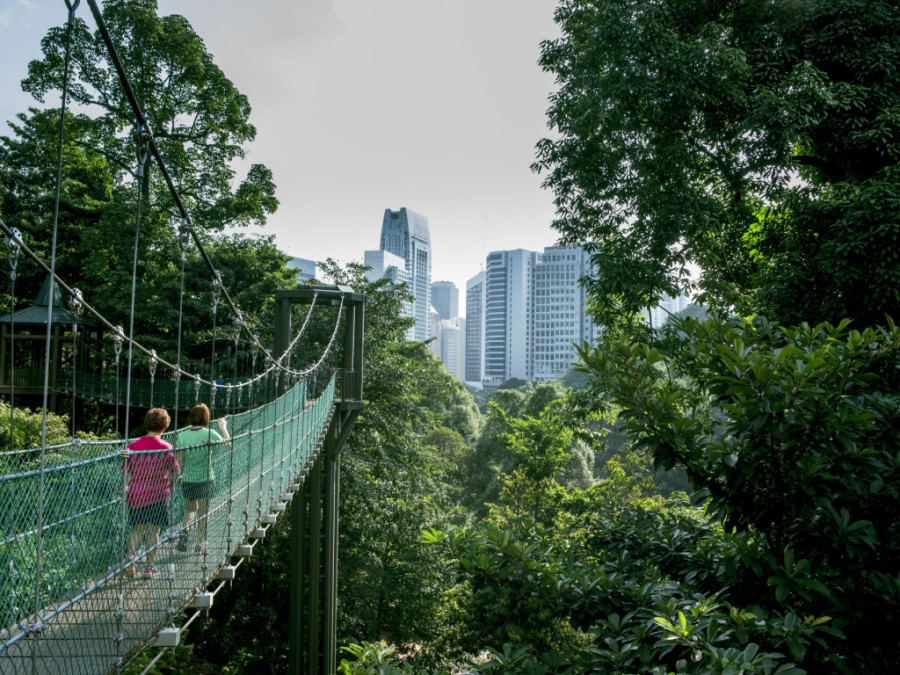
x,y
199,416
156,419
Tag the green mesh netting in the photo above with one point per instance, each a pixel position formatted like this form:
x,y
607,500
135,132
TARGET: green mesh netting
x,y
147,393
70,600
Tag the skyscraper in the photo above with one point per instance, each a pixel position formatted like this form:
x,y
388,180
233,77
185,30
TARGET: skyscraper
x,y
453,338
386,264
508,317
474,357
405,234
561,319
306,269
445,299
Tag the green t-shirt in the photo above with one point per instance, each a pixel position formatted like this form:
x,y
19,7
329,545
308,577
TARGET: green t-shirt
x,y
196,466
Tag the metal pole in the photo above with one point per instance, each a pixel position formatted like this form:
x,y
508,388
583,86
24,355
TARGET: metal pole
x,y
332,506
315,578
298,569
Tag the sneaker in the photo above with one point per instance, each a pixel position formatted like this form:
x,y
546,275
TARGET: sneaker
x,y
150,572
182,544
128,571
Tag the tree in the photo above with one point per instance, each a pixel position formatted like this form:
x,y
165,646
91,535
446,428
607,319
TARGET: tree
x,y
757,140
200,125
791,441
198,118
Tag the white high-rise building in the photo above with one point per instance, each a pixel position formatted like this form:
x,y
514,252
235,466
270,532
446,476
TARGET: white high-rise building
x,y
453,340
474,352
561,319
667,307
405,234
306,269
508,317
434,330
386,264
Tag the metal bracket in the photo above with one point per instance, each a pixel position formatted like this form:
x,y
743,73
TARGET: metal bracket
x,y
227,572
168,637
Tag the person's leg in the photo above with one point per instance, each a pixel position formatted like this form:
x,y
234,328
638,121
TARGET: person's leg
x,y
152,539
203,513
129,555
136,538
190,511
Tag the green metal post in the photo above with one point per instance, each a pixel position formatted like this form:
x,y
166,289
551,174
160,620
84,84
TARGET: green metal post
x,y
298,571
333,464
315,577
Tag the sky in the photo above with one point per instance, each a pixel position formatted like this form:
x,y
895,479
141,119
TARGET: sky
x,y
363,105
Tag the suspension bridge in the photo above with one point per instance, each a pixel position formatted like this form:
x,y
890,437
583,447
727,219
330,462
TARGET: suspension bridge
x,y
74,597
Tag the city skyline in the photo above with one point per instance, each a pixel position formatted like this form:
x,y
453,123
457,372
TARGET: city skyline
x,y
352,119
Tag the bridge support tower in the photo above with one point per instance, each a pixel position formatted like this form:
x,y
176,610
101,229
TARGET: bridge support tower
x,y
315,507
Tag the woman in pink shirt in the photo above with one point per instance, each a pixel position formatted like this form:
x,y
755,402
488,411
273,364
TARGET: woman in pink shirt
x,y
150,467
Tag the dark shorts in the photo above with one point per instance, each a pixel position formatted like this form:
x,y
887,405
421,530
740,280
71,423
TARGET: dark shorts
x,y
194,491
152,514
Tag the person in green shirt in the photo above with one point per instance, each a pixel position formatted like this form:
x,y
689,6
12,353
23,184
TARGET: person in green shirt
x,y
195,450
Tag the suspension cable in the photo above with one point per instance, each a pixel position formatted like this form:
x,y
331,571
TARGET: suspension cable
x,y
140,139
154,150
38,626
12,243
183,238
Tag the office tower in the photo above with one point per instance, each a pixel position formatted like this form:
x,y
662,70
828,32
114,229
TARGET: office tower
x,y
385,264
508,319
434,330
561,319
453,340
405,234
474,354
667,307
445,299
306,269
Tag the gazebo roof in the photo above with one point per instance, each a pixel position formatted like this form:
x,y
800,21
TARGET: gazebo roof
x,y
37,314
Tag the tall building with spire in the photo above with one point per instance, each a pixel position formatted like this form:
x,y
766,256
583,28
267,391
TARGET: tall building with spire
x,y
405,234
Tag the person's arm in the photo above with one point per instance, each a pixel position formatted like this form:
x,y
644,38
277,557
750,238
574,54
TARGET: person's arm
x,y
223,427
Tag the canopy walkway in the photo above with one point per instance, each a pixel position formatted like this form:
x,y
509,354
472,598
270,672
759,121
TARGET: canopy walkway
x,y
75,596
93,616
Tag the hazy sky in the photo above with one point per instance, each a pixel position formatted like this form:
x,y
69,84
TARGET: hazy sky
x,y
435,105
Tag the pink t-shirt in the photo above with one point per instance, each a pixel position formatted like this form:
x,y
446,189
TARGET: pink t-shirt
x,y
149,474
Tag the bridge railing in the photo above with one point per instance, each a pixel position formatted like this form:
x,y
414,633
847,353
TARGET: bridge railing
x,y
144,392
68,602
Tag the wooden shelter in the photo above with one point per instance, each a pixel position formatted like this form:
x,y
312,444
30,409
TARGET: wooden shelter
x,y
23,336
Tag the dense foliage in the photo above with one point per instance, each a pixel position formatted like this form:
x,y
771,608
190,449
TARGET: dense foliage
x,y
200,124
537,531
757,140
